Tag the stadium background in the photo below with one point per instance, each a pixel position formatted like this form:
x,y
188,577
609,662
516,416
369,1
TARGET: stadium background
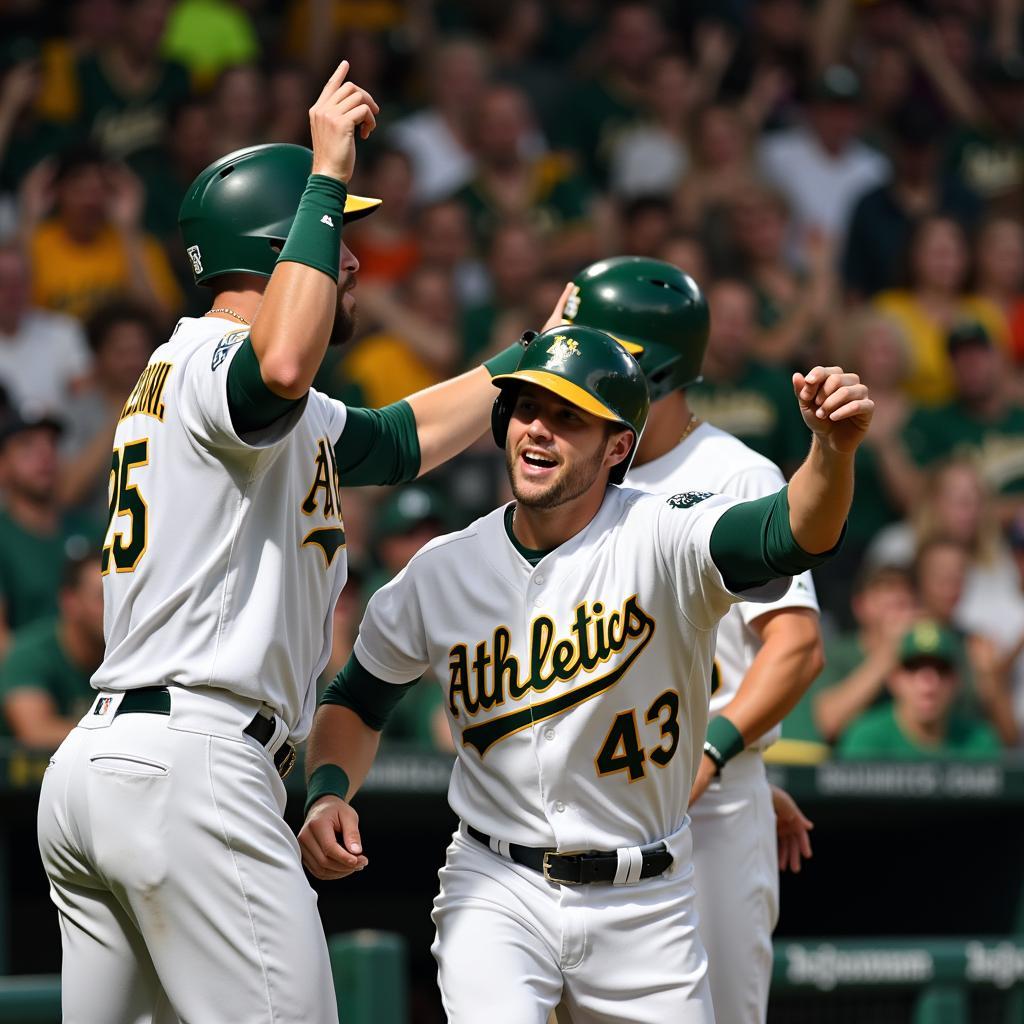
x,y
844,178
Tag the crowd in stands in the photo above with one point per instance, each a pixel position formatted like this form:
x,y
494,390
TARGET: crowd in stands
x,y
843,178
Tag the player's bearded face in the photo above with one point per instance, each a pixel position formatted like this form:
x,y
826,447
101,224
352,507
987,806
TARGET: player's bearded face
x,y
345,314
554,452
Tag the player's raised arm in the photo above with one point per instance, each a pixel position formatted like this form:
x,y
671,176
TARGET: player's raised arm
x,y
292,328
837,409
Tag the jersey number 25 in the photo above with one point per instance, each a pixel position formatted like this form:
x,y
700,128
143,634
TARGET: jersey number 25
x,y
126,547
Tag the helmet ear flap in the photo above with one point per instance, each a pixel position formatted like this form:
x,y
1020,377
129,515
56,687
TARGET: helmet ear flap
x,y
501,415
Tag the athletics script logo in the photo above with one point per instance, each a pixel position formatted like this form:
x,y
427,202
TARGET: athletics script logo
x,y
489,677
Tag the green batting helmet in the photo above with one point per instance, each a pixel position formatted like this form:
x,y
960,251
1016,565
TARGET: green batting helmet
x,y
656,311
586,367
237,213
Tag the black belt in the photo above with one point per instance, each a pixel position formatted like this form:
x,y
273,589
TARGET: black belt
x,y
156,700
580,868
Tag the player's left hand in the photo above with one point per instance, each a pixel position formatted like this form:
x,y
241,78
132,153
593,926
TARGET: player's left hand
x,y
705,774
835,406
792,829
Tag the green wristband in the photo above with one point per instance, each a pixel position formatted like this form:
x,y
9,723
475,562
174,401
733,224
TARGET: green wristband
x,y
327,780
724,741
315,235
507,360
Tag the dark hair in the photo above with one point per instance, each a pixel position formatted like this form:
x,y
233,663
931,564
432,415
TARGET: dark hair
x,y
879,575
75,568
117,312
76,158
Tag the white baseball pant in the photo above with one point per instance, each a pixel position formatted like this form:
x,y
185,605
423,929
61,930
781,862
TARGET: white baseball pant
x,y
179,886
511,946
736,876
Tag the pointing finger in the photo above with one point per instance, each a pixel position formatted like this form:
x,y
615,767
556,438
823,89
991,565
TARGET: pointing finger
x,y
334,82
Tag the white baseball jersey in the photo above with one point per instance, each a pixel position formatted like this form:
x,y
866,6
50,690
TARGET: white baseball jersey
x,y
569,727
224,556
712,460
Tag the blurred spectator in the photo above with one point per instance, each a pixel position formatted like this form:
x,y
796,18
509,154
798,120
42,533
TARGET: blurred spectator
x,y
93,247
941,573
720,173
933,303
43,357
407,520
44,683
208,36
646,225
598,110
416,344
514,263
687,253
988,152
920,721
35,539
1007,631
883,218
291,95
240,108
25,136
982,422
650,157
794,308
125,89
446,243
513,34
888,483
821,167
999,268
386,244
122,337
858,663
190,145
511,183
438,138
738,394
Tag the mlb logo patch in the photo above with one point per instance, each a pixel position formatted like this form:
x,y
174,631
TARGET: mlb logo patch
x,y
103,705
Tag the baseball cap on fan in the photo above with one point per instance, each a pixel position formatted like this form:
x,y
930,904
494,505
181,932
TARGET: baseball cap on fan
x,y
17,421
409,508
930,641
969,334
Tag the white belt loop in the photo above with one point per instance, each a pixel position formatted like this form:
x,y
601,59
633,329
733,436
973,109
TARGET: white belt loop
x,y
500,847
631,862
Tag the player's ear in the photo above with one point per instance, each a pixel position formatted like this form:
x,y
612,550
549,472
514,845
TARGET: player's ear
x,y
619,445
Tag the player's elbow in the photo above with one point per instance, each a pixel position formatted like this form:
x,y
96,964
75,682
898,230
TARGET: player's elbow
x,y
287,378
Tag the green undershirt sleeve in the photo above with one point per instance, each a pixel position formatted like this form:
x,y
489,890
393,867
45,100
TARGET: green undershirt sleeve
x,y
752,543
252,404
379,446
370,698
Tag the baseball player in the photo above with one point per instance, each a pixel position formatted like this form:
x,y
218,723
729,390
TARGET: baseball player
x,y
179,886
574,631
766,655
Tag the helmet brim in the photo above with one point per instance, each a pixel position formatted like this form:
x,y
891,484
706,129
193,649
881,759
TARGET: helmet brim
x,y
566,389
357,207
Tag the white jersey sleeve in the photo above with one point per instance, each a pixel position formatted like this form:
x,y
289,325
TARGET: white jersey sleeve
x,y
392,643
683,528
203,398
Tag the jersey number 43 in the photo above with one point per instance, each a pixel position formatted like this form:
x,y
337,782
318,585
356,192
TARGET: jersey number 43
x,y
621,750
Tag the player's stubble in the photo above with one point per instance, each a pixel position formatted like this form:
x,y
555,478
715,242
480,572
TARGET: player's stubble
x,y
570,484
345,313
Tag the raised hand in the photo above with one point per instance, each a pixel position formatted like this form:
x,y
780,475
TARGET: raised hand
x,y
341,108
126,197
835,406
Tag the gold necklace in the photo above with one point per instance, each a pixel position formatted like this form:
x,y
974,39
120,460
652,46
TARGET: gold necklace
x,y
230,312
690,428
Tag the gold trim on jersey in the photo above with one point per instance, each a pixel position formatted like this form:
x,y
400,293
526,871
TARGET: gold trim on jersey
x,y
146,398
326,479
329,539
123,497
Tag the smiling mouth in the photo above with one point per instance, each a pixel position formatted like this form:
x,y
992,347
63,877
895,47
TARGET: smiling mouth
x,y
536,461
